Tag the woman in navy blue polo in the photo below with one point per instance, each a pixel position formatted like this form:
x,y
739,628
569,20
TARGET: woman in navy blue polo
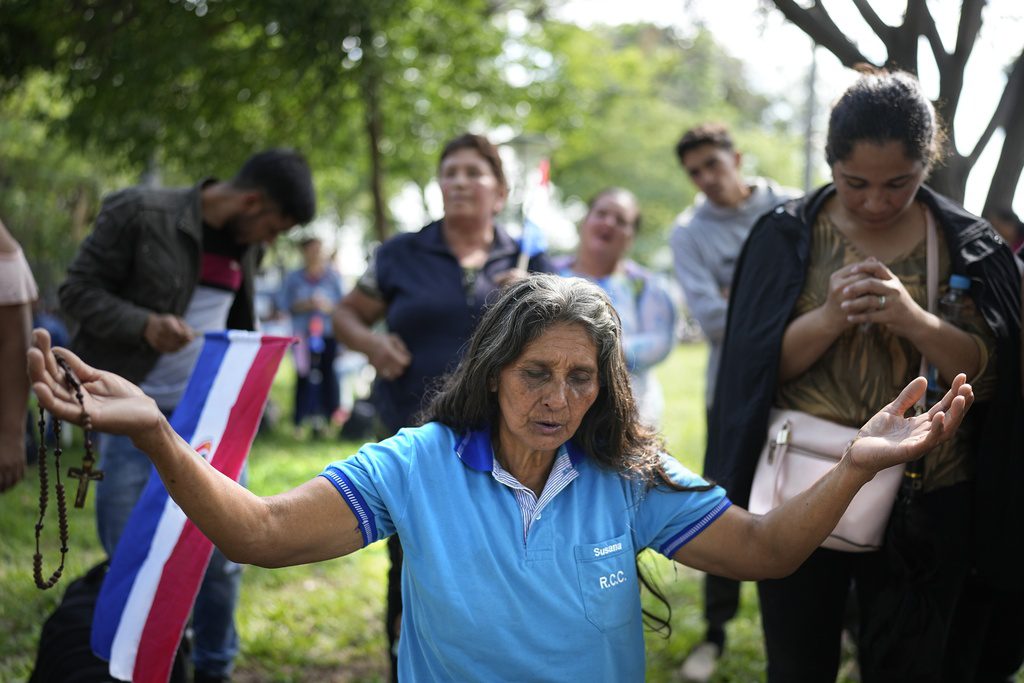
x,y
524,500
430,287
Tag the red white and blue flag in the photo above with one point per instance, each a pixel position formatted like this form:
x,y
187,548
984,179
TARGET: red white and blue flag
x,y
533,240
160,560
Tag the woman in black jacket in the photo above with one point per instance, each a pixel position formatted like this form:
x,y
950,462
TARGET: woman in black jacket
x,y
829,313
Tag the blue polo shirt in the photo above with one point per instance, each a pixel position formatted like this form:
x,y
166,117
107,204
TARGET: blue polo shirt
x,y
481,601
433,304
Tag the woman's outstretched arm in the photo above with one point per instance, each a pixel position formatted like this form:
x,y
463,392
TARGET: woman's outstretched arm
x,y
306,524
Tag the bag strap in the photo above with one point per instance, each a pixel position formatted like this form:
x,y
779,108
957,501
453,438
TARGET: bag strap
x,y
932,249
933,261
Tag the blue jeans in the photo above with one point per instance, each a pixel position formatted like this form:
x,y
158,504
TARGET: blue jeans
x,y
126,471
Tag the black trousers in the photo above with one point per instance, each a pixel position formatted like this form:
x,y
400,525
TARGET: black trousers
x,y
721,597
988,634
393,608
905,606
317,393
721,602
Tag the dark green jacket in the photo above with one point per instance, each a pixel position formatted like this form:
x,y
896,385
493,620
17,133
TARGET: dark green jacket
x,y
142,257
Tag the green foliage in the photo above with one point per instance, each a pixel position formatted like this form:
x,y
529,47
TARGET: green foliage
x,y
196,86
48,188
370,91
615,100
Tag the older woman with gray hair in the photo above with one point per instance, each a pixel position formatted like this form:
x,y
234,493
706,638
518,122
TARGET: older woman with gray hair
x,y
521,503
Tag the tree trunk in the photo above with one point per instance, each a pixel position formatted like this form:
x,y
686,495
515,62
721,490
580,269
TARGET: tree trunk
x,y
1011,158
79,214
151,176
901,43
1007,173
369,86
950,178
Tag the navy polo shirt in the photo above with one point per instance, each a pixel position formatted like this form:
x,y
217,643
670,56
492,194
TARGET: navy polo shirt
x,y
483,602
433,305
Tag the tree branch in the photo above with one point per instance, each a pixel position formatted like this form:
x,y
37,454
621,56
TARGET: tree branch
x,y
967,32
1011,162
816,23
1012,92
953,65
871,18
930,31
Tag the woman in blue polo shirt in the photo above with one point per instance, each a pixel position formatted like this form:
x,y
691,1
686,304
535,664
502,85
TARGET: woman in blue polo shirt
x,y
523,504
429,287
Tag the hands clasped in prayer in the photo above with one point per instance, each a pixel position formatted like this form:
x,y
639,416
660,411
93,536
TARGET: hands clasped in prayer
x,y
868,292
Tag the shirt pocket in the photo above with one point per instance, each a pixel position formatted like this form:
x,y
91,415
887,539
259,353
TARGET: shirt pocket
x,y
608,582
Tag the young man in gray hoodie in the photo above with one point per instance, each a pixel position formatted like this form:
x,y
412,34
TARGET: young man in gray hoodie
x,y
706,242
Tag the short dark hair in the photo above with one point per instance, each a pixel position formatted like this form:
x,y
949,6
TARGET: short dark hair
x,y
611,431
617,190
480,145
284,176
883,106
705,134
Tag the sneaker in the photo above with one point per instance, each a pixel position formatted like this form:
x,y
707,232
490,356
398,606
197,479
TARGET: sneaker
x,y
701,663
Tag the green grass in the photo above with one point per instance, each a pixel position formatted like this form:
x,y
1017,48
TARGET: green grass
x,y
323,622
684,428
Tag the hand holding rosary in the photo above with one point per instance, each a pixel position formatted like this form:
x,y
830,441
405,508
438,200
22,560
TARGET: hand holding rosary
x,y
84,474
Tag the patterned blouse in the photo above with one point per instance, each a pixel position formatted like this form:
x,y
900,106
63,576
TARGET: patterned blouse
x,y
868,365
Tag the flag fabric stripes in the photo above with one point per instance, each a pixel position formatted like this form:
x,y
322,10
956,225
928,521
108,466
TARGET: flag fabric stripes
x,y
532,240
158,565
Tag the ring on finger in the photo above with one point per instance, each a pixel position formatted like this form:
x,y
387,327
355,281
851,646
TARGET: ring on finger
x,y
881,301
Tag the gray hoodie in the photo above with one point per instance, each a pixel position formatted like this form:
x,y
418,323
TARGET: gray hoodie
x,y
706,242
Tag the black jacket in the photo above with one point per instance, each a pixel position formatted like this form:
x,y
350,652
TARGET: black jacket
x,y
769,278
142,257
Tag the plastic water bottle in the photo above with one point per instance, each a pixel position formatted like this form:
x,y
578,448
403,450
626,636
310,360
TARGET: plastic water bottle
x,y
951,305
951,309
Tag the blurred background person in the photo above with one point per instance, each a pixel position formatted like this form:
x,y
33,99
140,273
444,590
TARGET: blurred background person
x,y
17,293
310,294
828,314
642,299
430,287
706,242
1009,226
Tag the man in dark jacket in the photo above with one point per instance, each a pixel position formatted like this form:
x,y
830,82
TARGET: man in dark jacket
x,y
161,267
